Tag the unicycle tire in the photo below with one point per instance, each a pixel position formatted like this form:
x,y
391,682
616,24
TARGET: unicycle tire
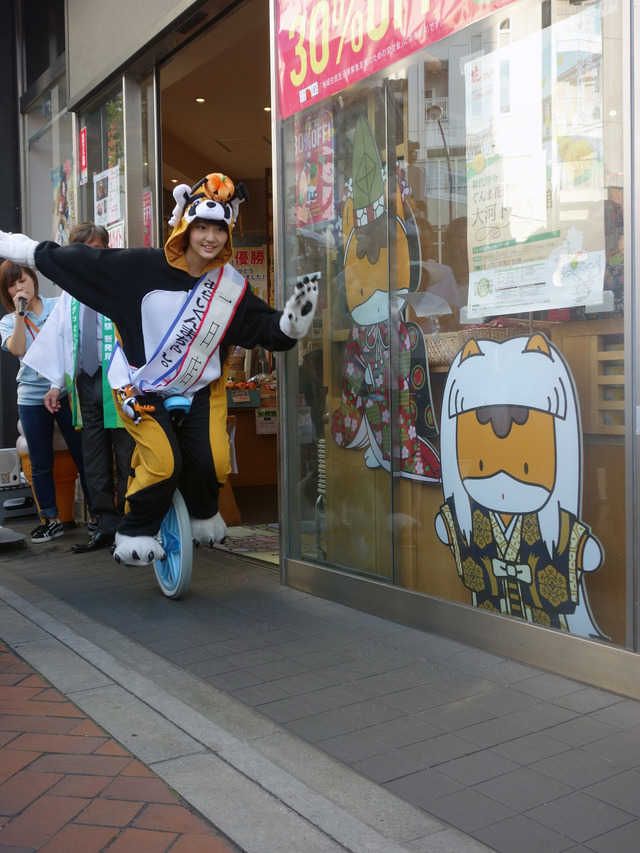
x,y
173,571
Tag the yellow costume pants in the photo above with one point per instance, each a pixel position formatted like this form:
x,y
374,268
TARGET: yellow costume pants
x,y
191,455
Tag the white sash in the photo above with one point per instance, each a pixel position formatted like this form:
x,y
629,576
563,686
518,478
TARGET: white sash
x,y
186,358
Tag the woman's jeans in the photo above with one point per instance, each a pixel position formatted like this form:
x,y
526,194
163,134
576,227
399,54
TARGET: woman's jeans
x,y
37,428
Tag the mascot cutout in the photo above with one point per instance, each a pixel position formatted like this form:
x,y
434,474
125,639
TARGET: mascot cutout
x,y
363,421
511,446
177,312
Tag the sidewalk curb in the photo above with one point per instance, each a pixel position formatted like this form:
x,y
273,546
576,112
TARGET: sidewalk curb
x,y
259,784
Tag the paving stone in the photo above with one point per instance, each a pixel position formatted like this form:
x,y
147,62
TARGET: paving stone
x,y
580,817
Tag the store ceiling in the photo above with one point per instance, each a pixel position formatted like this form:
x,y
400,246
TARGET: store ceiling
x,y
230,132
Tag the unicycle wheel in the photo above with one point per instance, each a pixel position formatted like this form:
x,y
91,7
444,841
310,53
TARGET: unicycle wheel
x,y
173,572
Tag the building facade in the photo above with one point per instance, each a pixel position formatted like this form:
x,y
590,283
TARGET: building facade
x,y
457,434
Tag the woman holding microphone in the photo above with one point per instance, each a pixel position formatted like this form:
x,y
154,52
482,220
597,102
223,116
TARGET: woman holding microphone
x,y
27,313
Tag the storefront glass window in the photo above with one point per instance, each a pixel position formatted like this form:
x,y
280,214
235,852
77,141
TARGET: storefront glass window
x,y
461,423
49,131
101,166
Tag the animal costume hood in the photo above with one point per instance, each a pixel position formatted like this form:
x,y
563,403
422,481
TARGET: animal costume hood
x,y
214,199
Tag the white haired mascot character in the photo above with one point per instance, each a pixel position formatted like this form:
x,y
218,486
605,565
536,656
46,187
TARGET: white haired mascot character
x,y
511,453
177,312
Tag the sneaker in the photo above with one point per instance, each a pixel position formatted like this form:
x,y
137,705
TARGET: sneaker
x,y
48,530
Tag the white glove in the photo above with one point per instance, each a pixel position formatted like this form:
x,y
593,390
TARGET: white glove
x,y
18,248
299,309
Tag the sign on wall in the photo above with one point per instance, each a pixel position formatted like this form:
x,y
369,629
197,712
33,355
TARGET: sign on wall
x,y
325,45
535,171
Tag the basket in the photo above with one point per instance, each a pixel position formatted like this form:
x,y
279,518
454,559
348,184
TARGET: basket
x,y
487,332
443,347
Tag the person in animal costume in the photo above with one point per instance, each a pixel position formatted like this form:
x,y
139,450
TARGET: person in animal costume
x,y
177,313
364,420
511,449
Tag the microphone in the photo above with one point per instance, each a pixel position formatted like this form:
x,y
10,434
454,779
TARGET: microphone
x,y
22,306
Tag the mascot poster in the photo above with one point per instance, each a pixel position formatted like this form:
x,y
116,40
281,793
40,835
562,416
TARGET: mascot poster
x,y
364,420
511,452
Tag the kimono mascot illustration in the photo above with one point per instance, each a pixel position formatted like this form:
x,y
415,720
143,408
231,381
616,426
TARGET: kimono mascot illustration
x,y
177,312
364,420
511,446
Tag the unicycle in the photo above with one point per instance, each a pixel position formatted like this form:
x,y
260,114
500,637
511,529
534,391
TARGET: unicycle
x,y
173,571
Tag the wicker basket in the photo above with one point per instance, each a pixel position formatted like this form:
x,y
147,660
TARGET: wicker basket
x,y
443,347
501,333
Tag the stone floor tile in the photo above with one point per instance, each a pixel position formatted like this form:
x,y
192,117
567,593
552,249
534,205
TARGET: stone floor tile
x,y
547,685
522,789
580,817
387,766
468,810
622,791
471,769
319,727
580,730
587,699
523,835
351,747
621,840
422,787
577,768
530,748
621,747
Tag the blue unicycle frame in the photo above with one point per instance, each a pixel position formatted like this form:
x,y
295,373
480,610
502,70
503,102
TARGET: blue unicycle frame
x,y
173,571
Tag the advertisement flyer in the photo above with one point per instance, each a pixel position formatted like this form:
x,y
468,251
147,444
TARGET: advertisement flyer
x,y
251,262
325,45
536,213
106,196
63,201
315,137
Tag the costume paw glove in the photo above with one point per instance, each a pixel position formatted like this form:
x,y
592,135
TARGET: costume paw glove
x,y
299,309
18,248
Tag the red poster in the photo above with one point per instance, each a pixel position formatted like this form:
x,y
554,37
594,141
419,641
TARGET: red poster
x,y
314,169
83,155
326,45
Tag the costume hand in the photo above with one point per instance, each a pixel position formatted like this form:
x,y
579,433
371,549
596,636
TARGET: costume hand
x,y
299,309
18,248
52,400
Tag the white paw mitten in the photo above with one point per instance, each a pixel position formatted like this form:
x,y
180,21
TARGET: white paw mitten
x,y
137,550
299,309
18,248
208,531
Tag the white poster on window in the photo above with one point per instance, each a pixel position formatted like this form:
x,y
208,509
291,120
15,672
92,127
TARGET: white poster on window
x,y
106,196
535,171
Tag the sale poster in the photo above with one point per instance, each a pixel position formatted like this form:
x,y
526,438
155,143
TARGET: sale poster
x,y
315,137
324,47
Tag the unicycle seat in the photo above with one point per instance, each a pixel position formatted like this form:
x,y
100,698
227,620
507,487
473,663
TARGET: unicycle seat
x,y
177,403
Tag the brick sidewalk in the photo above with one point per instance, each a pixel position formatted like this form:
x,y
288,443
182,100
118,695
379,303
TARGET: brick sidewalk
x,y
67,787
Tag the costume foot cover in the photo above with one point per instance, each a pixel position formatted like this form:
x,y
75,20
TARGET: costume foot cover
x,y
137,550
208,531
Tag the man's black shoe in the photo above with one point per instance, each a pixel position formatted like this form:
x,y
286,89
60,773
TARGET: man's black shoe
x,y
98,541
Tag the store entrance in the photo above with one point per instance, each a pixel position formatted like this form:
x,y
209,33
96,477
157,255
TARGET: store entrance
x,y
214,109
